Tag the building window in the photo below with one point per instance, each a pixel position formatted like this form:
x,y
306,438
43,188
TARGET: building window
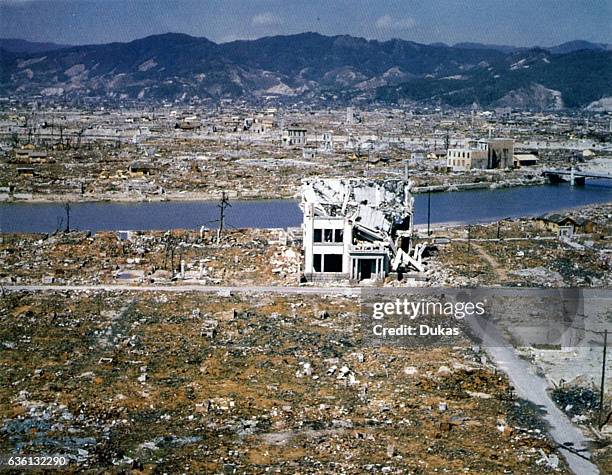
x,y
333,263
328,233
316,262
318,233
338,235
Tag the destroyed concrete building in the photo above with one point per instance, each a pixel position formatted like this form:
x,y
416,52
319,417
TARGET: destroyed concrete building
x,y
358,229
294,136
482,154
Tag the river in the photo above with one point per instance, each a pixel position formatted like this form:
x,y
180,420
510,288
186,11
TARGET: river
x,y
460,206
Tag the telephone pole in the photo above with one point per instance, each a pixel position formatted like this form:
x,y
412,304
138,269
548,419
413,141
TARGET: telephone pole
x,y
67,209
603,377
469,238
429,211
469,245
224,204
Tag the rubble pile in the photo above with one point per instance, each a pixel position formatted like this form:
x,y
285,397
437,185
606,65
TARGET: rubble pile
x,y
163,382
377,204
524,255
242,257
579,403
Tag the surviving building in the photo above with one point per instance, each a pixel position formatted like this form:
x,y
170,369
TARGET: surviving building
x,y
482,154
461,159
357,229
294,136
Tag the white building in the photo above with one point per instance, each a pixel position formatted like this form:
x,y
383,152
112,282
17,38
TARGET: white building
x,y
483,154
357,229
294,136
350,115
309,152
327,142
461,159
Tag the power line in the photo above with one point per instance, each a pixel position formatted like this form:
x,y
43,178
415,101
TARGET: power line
x,y
603,378
224,204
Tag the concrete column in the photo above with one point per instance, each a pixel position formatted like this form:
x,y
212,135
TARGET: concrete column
x,y
347,232
308,237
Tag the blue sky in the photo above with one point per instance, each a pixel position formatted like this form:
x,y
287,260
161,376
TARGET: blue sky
x,y
515,22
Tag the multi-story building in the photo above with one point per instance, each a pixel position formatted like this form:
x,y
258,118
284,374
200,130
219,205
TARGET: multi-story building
x,y
461,159
294,136
483,154
357,229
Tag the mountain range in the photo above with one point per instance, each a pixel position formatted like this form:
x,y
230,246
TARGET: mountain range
x,y
16,45
312,68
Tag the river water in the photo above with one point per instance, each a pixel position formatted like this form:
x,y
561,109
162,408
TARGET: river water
x,y
460,206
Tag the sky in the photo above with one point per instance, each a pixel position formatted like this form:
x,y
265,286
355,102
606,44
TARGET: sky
x,y
510,22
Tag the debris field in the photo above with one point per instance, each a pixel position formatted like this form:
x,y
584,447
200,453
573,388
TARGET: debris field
x,y
195,383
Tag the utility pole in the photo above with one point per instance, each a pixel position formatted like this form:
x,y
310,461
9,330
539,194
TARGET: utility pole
x,y
79,135
469,262
469,236
224,204
603,377
429,212
67,208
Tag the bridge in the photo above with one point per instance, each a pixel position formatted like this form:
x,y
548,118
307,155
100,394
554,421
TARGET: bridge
x,y
574,176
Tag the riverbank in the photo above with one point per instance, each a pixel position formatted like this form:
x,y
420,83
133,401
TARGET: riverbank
x,y
587,211
480,185
246,195
136,197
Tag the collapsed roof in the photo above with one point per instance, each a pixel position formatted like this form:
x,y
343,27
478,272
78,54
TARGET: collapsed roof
x,y
376,205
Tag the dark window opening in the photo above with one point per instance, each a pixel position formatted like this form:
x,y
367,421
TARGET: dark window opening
x,y
328,235
316,262
333,263
338,235
318,235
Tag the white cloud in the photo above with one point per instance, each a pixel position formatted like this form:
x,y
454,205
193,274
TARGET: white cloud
x,y
266,19
387,22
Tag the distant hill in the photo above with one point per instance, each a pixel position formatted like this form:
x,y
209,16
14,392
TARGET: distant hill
x,y
534,79
502,48
312,68
578,45
564,48
22,46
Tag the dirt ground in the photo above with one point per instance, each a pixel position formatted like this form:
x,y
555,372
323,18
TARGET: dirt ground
x,y
160,382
